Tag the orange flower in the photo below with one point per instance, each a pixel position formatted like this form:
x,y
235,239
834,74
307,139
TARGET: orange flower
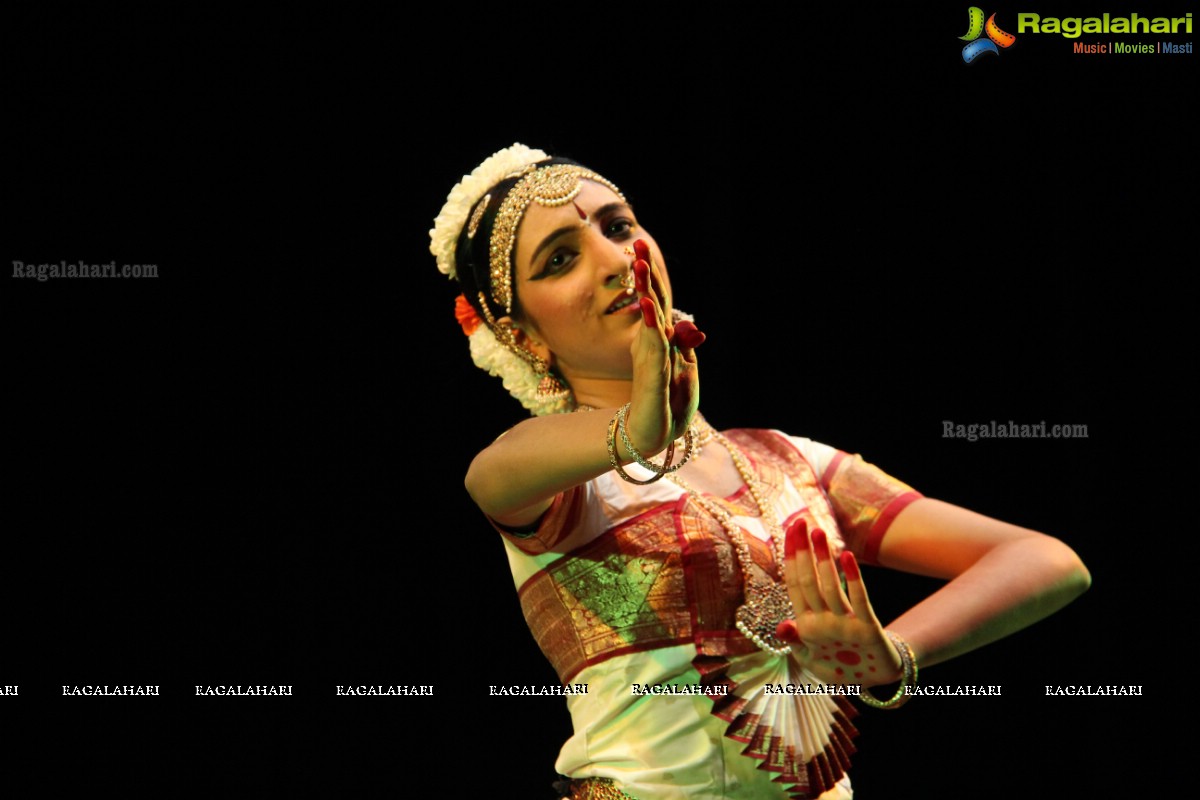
x,y
465,315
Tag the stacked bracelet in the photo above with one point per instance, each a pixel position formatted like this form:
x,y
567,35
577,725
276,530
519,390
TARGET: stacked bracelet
x,y
909,664
618,420
666,468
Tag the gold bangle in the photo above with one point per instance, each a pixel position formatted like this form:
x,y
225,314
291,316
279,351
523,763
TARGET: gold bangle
x,y
909,680
689,441
612,451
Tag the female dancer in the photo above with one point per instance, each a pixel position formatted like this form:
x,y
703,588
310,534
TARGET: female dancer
x,y
711,599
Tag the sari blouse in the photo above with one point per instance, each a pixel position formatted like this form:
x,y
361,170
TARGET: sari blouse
x,y
626,585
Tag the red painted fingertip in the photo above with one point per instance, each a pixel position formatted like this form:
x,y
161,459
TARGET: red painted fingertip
x,y
820,545
850,566
786,631
688,335
641,249
796,539
648,315
641,274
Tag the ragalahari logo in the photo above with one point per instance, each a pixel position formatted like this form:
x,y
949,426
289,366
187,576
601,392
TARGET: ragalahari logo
x,y
996,38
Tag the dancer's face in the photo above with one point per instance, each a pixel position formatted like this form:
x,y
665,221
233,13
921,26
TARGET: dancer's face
x,y
568,270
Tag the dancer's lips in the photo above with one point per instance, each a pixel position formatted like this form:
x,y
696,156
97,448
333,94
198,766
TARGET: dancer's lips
x,y
624,302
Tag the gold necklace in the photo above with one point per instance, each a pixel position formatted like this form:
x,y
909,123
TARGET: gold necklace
x,y
765,603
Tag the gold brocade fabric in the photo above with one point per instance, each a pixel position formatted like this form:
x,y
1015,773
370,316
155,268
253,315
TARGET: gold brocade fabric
x,y
866,500
668,576
614,570
621,593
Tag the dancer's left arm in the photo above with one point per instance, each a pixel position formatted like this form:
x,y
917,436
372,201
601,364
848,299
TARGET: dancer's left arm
x,y
1002,577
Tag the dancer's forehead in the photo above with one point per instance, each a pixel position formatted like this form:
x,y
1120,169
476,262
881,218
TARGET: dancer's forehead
x,y
545,226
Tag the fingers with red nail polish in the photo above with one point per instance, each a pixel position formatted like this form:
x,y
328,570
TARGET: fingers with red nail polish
x,y
856,590
786,631
799,570
850,566
820,545
831,586
641,276
655,281
796,539
687,335
648,315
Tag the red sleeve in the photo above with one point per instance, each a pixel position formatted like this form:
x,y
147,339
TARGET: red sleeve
x,y
560,519
865,500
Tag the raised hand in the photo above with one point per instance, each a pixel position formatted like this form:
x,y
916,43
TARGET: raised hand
x,y
666,380
836,634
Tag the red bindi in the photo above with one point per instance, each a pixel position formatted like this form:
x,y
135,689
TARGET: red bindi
x,y
580,210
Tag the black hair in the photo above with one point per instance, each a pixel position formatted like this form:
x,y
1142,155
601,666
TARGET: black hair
x,y
472,260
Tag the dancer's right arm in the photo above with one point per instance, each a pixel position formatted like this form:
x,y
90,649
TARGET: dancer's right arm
x,y
515,479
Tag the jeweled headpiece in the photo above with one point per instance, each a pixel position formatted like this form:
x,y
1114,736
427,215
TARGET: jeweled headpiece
x,y
551,186
466,194
463,219
494,347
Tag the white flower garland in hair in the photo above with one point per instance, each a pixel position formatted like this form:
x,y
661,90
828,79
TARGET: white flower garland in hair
x,y
466,193
488,354
516,374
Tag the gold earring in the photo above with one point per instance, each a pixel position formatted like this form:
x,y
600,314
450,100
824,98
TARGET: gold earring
x,y
551,387
540,365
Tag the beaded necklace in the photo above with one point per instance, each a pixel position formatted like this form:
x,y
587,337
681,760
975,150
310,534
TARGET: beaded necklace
x,y
766,603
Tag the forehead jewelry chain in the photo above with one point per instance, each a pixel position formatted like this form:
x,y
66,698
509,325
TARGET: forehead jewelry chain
x,y
550,186
765,603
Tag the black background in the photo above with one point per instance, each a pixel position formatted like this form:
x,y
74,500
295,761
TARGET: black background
x,y
249,470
